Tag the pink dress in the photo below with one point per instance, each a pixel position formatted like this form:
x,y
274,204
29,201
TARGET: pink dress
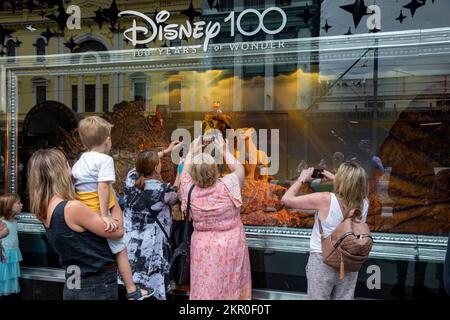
x,y
220,264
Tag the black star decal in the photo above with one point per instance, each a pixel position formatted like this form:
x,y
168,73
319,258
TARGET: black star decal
x,y
60,17
55,2
47,34
99,17
191,13
31,5
374,30
326,27
358,10
112,13
4,33
218,6
72,45
211,3
116,30
14,5
349,32
413,6
18,42
401,17
306,15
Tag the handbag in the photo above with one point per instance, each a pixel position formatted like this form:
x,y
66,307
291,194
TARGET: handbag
x,y
179,244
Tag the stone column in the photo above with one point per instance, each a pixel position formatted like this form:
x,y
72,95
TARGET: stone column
x,y
98,93
238,72
80,90
268,80
112,91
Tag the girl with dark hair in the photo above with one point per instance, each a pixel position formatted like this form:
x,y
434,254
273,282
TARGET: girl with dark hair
x,y
147,198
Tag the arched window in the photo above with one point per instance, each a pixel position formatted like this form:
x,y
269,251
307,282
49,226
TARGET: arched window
x,y
11,50
94,50
41,47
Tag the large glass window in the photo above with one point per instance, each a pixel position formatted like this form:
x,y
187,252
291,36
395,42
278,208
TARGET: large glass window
x,y
378,98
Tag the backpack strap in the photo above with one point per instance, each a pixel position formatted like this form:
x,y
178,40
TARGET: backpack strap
x,y
351,214
354,214
320,224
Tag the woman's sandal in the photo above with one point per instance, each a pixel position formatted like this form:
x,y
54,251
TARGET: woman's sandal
x,y
137,294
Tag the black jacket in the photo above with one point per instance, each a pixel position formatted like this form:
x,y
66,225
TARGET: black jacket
x,y
447,268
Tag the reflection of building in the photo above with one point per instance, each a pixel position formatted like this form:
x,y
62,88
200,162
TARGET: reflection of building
x,y
84,94
99,93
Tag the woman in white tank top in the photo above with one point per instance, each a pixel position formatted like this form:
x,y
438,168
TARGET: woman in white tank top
x,y
350,191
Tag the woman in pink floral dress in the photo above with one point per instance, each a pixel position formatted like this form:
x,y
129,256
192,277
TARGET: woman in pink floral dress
x,y
220,264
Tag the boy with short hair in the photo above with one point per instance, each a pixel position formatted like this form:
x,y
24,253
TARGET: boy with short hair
x,y
94,175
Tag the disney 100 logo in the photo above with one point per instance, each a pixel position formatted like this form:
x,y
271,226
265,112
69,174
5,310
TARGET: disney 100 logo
x,y
196,30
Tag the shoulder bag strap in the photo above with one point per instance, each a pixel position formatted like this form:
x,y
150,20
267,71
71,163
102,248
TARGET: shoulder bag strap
x,y
147,203
188,209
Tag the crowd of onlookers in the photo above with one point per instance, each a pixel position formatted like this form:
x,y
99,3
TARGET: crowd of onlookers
x,y
88,229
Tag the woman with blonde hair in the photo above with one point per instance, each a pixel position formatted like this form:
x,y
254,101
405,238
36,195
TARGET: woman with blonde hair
x,y
350,192
76,233
220,264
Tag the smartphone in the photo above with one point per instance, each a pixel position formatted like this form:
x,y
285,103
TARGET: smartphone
x,y
317,174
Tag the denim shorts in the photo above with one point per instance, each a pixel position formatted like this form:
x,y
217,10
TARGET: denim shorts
x,y
100,286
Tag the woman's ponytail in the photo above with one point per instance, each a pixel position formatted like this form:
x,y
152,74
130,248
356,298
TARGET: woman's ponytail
x,y
146,163
140,182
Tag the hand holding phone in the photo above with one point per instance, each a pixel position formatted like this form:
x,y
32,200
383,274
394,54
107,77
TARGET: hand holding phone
x,y
317,174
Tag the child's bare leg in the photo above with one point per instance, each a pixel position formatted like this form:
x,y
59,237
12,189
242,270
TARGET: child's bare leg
x,y
125,272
